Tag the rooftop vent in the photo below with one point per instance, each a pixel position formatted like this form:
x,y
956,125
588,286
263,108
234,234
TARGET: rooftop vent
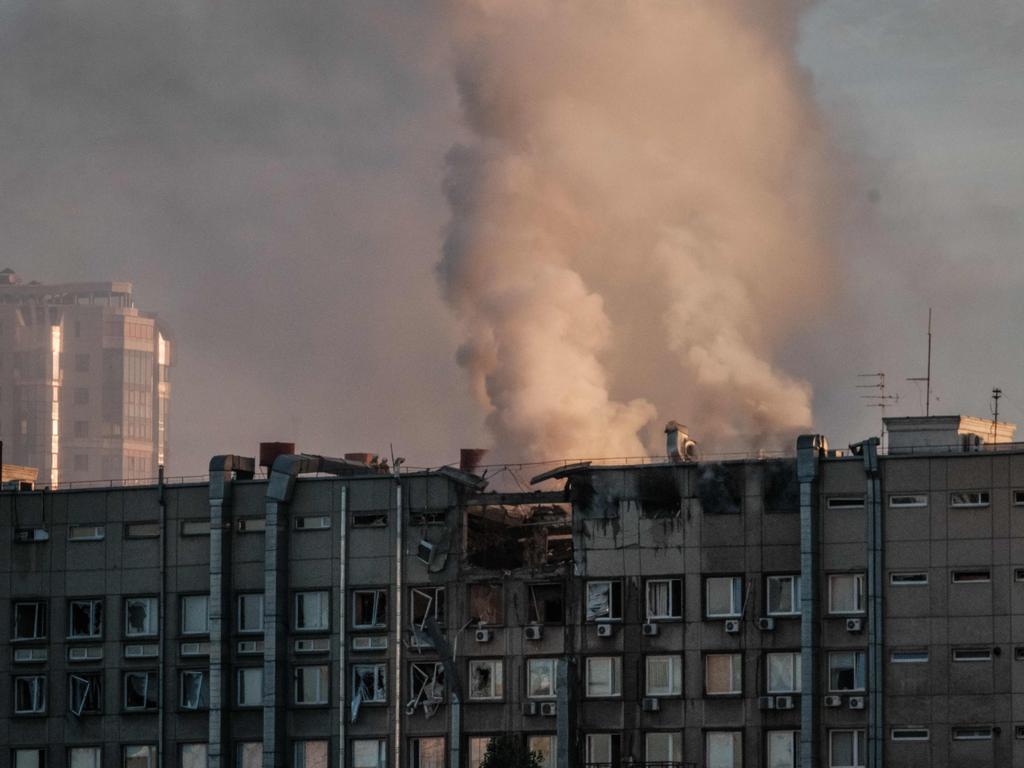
x,y
678,443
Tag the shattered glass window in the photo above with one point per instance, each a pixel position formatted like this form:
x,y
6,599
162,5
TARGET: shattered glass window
x,y
369,608
604,600
486,603
140,616
486,679
426,687
369,683
546,604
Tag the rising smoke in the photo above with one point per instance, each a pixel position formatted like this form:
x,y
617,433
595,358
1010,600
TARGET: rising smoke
x,y
637,220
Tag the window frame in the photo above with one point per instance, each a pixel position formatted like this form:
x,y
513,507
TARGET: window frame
x,y
496,681
150,754
152,617
182,746
795,663
321,690
499,618
614,612
545,660
859,760
963,733
794,736
95,749
957,576
675,747
240,599
908,578
241,747
324,611
961,499
736,735
735,596
382,751
78,532
38,695
380,681
908,500
41,617
734,674
860,582
241,688
794,594
96,611
91,678
907,729
675,675
377,592
971,655
415,761
183,614
675,598
151,691
908,655
614,677
859,670
203,699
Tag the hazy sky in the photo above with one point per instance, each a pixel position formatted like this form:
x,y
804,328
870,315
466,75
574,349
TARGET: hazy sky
x,y
269,177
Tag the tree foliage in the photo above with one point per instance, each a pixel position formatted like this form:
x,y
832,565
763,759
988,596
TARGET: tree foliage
x,y
509,751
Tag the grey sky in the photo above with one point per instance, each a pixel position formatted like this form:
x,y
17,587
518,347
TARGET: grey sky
x,y
268,175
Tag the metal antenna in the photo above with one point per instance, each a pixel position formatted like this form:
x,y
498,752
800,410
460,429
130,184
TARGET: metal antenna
x,y
996,394
880,400
927,378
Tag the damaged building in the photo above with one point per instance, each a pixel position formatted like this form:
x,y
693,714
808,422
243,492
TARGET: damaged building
x,y
836,608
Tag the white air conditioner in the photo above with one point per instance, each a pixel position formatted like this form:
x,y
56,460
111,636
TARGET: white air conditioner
x,y
784,702
548,709
313,645
370,643
651,704
766,624
140,650
833,701
856,702
194,649
250,646
766,702
854,625
533,632
650,629
85,653
605,630
484,635
732,626
30,655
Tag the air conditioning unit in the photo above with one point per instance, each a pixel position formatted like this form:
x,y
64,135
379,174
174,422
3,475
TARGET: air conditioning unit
x,y
856,702
141,651
854,625
30,655
784,702
250,646
533,632
194,649
732,626
548,709
766,624
766,702
605,630
313,645
484,635
85,653
31,534
833,701
370,643
651,704
650,629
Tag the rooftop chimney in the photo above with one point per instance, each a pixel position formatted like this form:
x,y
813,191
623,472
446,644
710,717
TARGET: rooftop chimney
x,y
678,444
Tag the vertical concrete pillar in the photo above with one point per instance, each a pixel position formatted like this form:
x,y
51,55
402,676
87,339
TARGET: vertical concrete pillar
x,y
809,449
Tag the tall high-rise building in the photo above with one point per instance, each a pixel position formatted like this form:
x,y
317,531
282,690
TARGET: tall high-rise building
x,y
84,385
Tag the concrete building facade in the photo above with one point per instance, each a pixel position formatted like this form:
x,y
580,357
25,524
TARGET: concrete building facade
x,y
832,608
84,381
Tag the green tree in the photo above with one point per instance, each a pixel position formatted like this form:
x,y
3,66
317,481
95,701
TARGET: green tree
x,y
509,751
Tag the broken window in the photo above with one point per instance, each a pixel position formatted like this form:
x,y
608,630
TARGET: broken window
x,y
30,695
723,596
369,753
140,616
195,615
541,678
664,598
369,609
30,621
139,756
428,752
250,686
720,489
604,676
426,686
427,602
85,694
546,604
85,619
723,674
312,611
783,595
195,689
781,487
368,686
250,612
659,493
140,691
604,600
371,519
311,754
311,685
486,603
486,679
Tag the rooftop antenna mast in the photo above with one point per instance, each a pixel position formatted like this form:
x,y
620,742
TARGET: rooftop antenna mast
x,y
927,379
996,394
880,400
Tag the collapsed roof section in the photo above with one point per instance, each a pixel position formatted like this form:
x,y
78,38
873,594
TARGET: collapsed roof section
x,y
510,537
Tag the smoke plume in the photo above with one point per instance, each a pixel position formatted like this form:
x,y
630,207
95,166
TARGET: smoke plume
x,y
638,218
